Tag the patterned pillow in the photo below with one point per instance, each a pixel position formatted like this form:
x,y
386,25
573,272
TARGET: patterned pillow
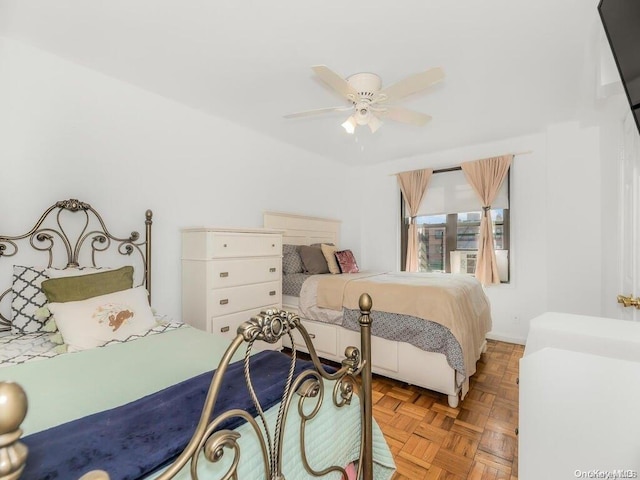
x,y
347,261
291,261
28,300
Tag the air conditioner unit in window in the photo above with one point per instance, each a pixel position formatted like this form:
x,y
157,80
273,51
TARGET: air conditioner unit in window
x,y
464,261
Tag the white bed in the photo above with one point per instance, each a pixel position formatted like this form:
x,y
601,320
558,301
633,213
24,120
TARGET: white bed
x,y
393,359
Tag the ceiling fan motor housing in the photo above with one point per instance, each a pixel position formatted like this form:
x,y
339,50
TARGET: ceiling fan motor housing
x,y
366,84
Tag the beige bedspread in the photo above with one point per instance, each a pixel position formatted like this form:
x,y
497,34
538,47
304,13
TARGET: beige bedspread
x,y
457,302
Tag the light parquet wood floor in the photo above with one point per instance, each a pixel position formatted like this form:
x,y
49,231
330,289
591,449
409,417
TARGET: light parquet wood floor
x,y
476,441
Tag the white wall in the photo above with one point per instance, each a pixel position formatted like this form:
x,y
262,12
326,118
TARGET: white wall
x,y
555,223
70,132
574,205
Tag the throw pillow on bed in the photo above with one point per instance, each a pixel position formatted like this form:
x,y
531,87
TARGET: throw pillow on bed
x,y
329,252
313,259
347,261
97,320
28,299
291,261
81,287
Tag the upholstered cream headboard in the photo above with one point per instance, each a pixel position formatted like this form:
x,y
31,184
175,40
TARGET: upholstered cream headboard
x,y
303,230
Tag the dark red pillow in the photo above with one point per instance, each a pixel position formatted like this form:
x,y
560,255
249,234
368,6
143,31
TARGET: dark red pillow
x,y
347,261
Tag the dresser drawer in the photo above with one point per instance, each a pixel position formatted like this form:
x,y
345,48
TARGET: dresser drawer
x,y
222,244
245,271
227,325
223,301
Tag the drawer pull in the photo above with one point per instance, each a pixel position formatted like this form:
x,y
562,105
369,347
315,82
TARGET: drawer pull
x,y
273,244
224,301
224,245
272,269
272,293
224,274
312,335
224,329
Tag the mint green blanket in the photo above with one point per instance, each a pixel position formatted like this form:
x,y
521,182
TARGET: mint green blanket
x,y
78,384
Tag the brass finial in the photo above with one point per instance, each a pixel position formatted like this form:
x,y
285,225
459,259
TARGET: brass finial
x,y
14,399
12,452
365,303
95,475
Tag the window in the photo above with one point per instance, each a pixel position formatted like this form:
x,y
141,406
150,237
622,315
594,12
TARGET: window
x,y
468,229
448,242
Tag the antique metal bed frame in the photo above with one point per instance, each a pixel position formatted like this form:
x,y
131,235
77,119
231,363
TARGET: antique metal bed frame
x,y
54,229
354,376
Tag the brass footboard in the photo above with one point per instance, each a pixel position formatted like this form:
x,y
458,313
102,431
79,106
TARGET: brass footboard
x,y
269,326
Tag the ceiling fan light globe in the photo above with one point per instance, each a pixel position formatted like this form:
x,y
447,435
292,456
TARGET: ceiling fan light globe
x,y
374,123
349,125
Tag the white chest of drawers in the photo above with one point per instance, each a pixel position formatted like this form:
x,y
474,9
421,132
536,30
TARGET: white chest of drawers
x,y
228,276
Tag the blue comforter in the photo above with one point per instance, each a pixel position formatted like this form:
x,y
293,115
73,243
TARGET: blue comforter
x,y
140,437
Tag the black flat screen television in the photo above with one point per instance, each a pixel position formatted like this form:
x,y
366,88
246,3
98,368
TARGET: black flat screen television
x,y
621,21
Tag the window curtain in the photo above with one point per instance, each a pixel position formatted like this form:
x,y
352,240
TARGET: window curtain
x,y
486,177
413,186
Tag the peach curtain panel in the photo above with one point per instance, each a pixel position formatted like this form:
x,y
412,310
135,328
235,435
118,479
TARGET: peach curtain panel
x,y
486,177
413,186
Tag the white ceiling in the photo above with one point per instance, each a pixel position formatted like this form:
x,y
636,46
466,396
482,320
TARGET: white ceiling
x,y
512,66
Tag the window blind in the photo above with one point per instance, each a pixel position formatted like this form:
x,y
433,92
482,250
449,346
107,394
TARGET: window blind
x,y
449,192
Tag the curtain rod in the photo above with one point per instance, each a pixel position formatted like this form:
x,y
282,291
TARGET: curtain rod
x,y
453,169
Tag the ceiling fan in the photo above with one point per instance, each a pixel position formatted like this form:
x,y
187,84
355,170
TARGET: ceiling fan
x,y
369,101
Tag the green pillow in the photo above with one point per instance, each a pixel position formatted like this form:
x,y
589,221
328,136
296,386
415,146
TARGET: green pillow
x,y
82,287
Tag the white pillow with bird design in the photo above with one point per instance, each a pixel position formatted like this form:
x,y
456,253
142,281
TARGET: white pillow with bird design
x,y
95,321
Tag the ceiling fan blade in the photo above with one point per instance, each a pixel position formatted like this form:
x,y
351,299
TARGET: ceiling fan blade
x,y
410,85
404,115
335,81
318,111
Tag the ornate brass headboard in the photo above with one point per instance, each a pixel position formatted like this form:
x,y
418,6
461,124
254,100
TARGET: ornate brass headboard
x,y
54,235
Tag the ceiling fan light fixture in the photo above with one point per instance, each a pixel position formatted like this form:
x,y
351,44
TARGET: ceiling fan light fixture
x,y
374,123
350,125
362,113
